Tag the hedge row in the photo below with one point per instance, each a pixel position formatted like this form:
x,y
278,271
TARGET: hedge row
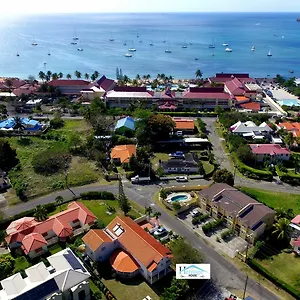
x,y
292,179
260,269
95,195
251,172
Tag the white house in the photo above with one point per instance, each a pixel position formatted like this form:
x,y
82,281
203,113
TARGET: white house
x,y
65,278
249,128
130,250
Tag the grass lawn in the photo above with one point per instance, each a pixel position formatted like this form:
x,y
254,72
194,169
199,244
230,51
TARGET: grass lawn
x,y
21,263
94,288
157,157
285,266
81,170
135,288
275,199
54,248
207,167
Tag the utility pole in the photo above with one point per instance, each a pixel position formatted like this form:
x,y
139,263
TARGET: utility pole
x,y
245,288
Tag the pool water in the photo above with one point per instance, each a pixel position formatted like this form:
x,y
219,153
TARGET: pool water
x,y
179,198
289,102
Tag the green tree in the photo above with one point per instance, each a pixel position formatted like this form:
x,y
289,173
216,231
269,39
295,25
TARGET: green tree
x,y
137,77
219,110
57,122
157,214
69,76
60,75
42,75
55,76
48,75
7,264
18,124
289,139
184,253
163,194
96,75
59,200
40,213
148,211
178,289
77,74
176,206
201,169
8,156
198,74
282,229
223,176
244,153
86,76
122,199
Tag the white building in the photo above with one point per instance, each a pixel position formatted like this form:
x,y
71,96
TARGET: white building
x,y
65,278
249,129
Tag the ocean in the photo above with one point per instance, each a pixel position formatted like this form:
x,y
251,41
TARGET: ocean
x,y
275,32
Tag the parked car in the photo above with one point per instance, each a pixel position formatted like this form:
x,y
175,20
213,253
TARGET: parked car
x,y
161,231
195,212
181,178
177,154
179,133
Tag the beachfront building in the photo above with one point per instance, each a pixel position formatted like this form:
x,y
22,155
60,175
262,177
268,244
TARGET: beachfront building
x,y
64,278
123,96
249,218
27,126
272,152
121,153
34,237
129,248
186,126
69,86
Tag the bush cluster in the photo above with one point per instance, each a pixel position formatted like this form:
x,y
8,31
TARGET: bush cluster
x,y
226,234
293,179
95,195
50,162
198,219
212,226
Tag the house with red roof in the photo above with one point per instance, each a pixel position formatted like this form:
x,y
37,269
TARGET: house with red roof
x,y
69,86
130,250
295,235
293,127
271,151
34,237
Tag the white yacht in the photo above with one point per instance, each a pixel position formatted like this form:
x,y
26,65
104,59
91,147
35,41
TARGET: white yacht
x,y
184,46
34,43
131,49
225,44
128,55
75,38
253,48
269,54
79,49
228,49
168,51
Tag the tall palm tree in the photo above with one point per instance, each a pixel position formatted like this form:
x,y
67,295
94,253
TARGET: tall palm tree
x,y
40,213
59,201
144,77
77,74
282,229
55,76
198,74
289,139
68,76
148,211
137,77
48,75
60,75
126,79
96,75
19,126
148,76
86,76
42,75
157,214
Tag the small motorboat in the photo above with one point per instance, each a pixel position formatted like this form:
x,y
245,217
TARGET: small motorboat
x,y
18,54
79,49
132,50
168,51
228,49
211,46
225,44
184,46
73,43
196,58
128,55
253,48
151,44
291,71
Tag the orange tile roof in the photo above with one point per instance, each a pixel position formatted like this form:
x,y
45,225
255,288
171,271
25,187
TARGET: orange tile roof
x,y
184,124
241,98
144,247
152,267
20,224
32,242
123,152
96,237
288,126
251,105
123,262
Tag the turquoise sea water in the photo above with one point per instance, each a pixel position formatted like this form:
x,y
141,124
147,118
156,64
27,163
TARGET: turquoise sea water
x,y
279,33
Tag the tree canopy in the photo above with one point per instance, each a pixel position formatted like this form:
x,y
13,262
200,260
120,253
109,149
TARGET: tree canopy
x,y
8,156
223,176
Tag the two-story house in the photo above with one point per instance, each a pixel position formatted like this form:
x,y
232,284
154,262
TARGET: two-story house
x,y
130,250
249,218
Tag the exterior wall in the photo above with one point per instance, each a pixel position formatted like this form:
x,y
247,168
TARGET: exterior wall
x,y
181,170
49,234
103,252
269,220
71,89
33,254
92,95
15,245
84,286
260,157
205,103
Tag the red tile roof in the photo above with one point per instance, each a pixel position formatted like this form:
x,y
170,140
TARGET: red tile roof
x,y
33,242
123,262
123,152
206,93
184,123
251,105
104,83
68,82
270,149
96,237
296,220
236,87
294,127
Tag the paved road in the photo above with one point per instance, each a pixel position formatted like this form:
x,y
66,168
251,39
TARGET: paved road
x,y
223,272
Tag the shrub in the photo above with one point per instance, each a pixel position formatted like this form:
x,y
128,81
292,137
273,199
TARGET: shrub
x,y
95,195
212,226
289,178
200,219
226,234
57,122
48,162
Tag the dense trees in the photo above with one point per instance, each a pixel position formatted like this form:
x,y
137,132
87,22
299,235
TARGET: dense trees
x,y
8,156
59,200
282,229
178,288
57,122
244,153
40,213
7,263
223,176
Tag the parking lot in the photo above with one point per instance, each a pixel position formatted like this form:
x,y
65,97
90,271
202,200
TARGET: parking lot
x,y
231,247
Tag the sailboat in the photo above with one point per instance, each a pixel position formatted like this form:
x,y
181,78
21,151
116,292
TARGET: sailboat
x,y
184,46
75,38
111,38
49,53
34,43
269,54
168,50
212,45
213,53
132,49
253,48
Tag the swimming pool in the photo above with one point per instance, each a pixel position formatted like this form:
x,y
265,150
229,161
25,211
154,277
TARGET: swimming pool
x,y
180,197
289,102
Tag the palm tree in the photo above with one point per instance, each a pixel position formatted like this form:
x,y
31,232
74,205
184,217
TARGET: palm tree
x,y
54,76
40,213
144,77
282,229
18,124
60,75
86,76
198,74
77,74
59,201
137,77
148,76
69,76
171,77
148,211
42,75
163,76
158,76
96,75
289,139
157,214
48,75
126,79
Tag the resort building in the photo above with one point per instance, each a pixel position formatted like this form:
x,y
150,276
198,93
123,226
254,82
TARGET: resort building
x,y
249,218
250,129
69,86
225,77
272,152
121,153
186,165
130,250
125,124
186,126
123,96
65,278
34,237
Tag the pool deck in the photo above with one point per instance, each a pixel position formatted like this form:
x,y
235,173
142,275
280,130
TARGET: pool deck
x,y
281,94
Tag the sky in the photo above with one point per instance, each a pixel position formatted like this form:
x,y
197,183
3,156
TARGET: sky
x,y
76,6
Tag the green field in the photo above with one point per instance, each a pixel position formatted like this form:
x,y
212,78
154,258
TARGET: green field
x,y
81,170
275,199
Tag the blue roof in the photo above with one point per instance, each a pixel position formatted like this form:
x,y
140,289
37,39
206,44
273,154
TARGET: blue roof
x,y
126,122
10,123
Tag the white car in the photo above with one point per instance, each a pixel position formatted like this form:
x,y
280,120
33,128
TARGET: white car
x,y
181,178
195,212
160,231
